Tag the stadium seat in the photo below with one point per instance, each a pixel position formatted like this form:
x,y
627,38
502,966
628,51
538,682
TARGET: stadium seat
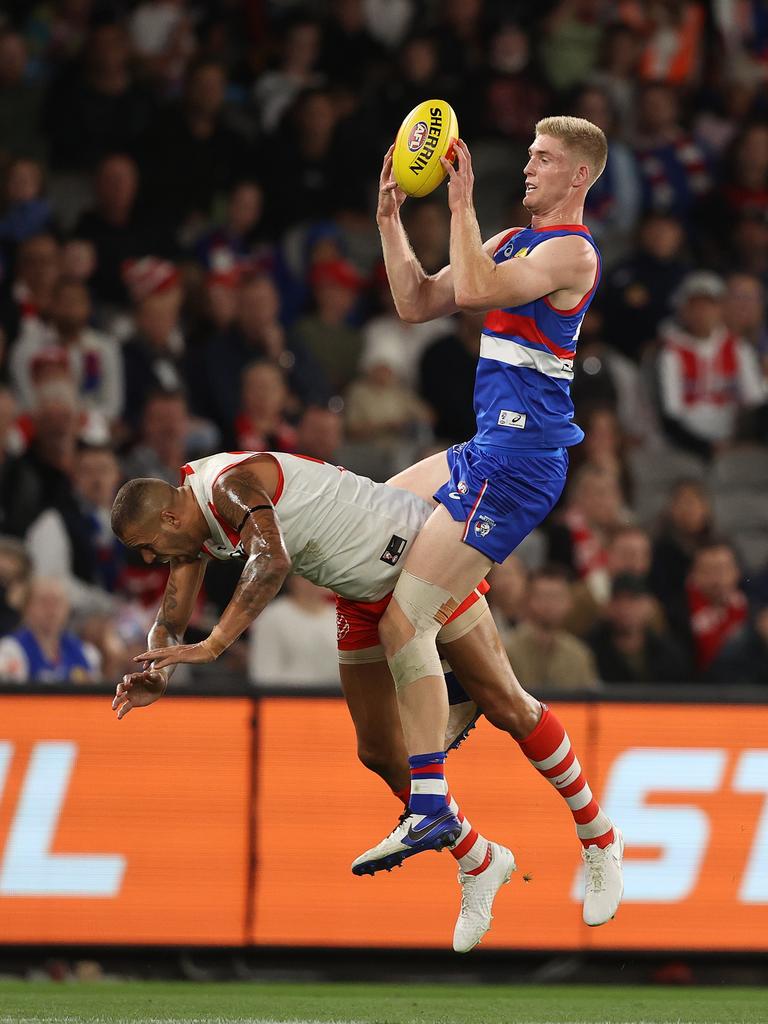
x,y
743,469
654,472
742,516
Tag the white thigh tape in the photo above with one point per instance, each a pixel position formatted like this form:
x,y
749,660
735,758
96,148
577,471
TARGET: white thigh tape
x,y
365,656
420,602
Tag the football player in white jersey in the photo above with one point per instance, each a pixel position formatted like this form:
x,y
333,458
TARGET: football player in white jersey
x,y
282,513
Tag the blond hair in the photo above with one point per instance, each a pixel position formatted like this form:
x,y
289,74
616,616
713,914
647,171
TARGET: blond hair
x,y
582,137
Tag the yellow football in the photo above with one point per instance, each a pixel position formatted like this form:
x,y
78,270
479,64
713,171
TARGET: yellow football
x,y
426,134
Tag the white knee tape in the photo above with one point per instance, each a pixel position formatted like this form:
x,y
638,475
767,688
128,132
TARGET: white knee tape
x,y
421,603
365,656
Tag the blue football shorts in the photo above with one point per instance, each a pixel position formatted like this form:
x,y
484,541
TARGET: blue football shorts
x,y
501,495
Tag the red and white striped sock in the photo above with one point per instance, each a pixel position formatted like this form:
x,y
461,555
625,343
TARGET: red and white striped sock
x,y
471,850
549,750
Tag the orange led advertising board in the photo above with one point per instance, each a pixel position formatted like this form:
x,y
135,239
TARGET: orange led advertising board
x,y
234,821
687,784
124,832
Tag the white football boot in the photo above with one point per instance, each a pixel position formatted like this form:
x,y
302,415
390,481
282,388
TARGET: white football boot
x,y
477,895
603,880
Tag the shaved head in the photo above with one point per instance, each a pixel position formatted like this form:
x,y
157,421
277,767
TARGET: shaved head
x,y
139,503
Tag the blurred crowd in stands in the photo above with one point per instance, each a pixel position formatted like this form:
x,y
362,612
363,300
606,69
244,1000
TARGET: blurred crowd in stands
x,y
189,262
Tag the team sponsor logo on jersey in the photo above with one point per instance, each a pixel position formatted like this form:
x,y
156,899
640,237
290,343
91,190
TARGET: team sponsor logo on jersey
x,y
393,550
509,418
510,251
416,138
484,525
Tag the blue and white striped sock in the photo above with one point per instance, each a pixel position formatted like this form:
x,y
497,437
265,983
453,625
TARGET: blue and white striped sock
x,y
428,785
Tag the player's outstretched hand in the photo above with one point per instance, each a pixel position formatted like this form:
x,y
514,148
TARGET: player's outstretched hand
x,y
190,654
139,690
461,178
391,196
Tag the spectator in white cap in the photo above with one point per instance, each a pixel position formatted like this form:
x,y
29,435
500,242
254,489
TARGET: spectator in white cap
x,y
380,408
707,376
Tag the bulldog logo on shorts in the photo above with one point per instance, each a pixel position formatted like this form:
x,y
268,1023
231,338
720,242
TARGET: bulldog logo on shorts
x,y
483,526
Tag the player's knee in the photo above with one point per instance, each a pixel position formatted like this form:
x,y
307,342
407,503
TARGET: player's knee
x,y
516,717
409,628
393,633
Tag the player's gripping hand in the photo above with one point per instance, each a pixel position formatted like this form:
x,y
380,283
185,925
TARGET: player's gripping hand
x,y
189,654
139,690
391,196
461,178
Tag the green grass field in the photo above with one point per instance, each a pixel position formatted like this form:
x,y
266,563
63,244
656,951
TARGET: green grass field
x,y
257,1003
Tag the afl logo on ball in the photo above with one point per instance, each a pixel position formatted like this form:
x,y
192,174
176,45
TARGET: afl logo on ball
x,y
417,136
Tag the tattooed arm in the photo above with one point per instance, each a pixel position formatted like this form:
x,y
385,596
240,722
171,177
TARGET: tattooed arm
x,y
243,503
181,590
139,689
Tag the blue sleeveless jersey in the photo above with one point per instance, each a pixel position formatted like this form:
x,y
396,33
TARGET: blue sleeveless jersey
x,y
522,387
72,665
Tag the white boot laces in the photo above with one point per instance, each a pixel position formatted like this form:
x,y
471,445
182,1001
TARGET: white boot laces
x,y
594,858
467,892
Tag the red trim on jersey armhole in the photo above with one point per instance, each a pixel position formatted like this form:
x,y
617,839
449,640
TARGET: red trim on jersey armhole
x,y
233,464
232,535
280,475
280,482
235,537
584,299
505,238
581,228
185,471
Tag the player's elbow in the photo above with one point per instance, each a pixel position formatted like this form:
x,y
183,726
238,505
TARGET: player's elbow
x,y
271,567
411,314
472,302
279,565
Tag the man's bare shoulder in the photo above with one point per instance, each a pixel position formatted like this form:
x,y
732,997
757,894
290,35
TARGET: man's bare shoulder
x,y
575,249
258,473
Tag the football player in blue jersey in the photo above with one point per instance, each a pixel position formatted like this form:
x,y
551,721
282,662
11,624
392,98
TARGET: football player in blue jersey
x,y
534,284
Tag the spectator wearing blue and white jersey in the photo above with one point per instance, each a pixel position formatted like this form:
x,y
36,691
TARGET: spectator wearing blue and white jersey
x,y
42,650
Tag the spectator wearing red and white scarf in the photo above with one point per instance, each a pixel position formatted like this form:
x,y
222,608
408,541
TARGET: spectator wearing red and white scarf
x,y
579,540
706,374
716,607
93,357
